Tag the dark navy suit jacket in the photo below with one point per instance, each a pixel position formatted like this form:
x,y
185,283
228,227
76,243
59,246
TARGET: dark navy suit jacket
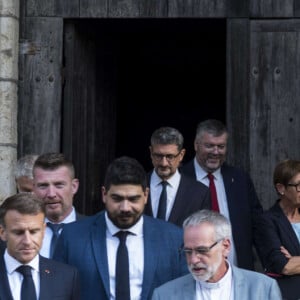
x,y
244,208
57,281
83,244
191,196
275,230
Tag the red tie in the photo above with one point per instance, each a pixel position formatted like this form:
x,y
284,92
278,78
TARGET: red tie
x,y
213,193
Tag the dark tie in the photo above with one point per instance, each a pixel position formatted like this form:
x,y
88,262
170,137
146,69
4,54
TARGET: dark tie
x,y
162,206
122,268
213,193
55,229
27,288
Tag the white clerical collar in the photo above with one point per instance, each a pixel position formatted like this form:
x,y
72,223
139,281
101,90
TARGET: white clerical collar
x,y
224,281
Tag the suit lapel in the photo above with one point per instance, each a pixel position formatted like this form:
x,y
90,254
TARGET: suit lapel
x,y
239,282
98,238
179,206
284,223
230,190
189,289
5,293
46,279
151,239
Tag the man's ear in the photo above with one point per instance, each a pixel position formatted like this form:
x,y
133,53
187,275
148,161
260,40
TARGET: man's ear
x,y
103,190
3,233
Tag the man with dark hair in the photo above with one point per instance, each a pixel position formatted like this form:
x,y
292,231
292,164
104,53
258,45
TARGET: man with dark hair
x,y
22,269
183,195
100,244
55,183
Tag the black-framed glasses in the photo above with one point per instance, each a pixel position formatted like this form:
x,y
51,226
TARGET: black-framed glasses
x,y
199,250
296,185
169,157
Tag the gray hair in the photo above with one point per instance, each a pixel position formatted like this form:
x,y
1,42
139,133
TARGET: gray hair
x,y
221,223
167,136
211,126
24,166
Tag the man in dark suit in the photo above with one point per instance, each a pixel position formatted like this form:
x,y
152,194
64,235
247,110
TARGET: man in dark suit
x,y
152,245
237,198
22,228
184,195
55,183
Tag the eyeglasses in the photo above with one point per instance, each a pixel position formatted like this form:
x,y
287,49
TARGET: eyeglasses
x,y
169,157
211,147
199,250
296,185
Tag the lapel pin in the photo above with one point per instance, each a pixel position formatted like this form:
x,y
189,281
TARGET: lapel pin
x,y
47,271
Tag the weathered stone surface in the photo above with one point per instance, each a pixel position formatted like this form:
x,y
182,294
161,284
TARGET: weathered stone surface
x,y
8,156
9,41
10,8
8,113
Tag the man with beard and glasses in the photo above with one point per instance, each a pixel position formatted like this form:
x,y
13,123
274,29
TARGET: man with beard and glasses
x,y
184,195
55,183
234,189
92,245
207,243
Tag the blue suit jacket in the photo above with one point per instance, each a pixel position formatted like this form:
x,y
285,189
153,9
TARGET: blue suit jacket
x,y
57,281
244,208
247,285
191,196
83,244
275,230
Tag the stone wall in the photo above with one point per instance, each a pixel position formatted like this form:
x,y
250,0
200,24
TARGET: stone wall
x,y
9,40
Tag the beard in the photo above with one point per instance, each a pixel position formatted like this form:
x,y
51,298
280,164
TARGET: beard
x,y
210,270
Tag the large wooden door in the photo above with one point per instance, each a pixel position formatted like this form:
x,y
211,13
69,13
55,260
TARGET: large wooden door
x,y
275,99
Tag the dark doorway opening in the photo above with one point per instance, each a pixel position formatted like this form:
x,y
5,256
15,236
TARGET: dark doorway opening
x,y
172,73
124,78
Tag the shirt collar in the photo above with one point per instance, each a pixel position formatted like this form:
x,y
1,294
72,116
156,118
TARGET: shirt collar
x,y
219,284
201,173
173,181
69,219
12,264
136,229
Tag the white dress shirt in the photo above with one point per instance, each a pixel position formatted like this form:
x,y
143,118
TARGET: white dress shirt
x,y
45,249
15,278
135,246
222,199
156,188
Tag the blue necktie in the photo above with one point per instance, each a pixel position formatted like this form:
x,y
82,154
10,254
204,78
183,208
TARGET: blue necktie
x,y
27,289
55,229
122,268
162,206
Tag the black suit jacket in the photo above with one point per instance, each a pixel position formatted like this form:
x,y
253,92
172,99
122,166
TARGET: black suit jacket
x,y
275,230
244,208
57,281
191,196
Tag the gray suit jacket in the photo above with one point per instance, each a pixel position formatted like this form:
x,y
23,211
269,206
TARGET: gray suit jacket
x,y
248,285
